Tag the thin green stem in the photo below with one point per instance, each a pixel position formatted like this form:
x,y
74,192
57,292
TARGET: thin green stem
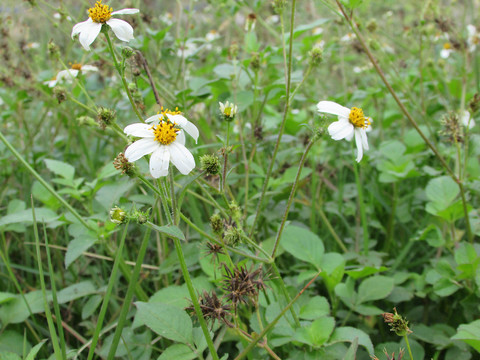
x,y
284,120
409,116
44,183
331,229
225,159
72,98
361,205
48,313
121,72
106,299
272,324
285,292
128,297
309,70
290,198
408,346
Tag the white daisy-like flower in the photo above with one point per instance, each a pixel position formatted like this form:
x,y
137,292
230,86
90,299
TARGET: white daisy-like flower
x,y
228,110
473,37
446,50
68,75
212,35
163,137
467,120
349,37
350,122
102,14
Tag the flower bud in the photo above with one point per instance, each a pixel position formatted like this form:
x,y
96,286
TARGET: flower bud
x,y
60,93
279,6
474,103
233,50
397,323
127,52
53,49
216,222
232,236
372,25
105,117
210,164
228,111
250,22
316,56
118,216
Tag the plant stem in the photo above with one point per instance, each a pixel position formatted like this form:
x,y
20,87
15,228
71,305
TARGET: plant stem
x,y
284,120
361,205
225,159
409,117
272,324
408,346
121,72
285,292
106,299
128,297
290,198
44,183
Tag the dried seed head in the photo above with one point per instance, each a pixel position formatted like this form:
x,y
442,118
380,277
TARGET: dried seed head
x,y
474,103
60,93
452,130
397,323
210,163
242,284
212,308
121,163
105,117
216,222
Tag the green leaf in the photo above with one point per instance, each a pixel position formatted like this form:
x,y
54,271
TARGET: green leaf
x,y
365,271
169,230
65,170
375,288
349,334
166,320
42,215
177,352
76,291
31,355
317,332
76,247
441,192
12,342
317,307
352,351
465,254
303,244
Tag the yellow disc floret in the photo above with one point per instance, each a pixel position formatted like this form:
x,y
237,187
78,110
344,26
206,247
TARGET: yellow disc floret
x,y
163,112
165,132
76,66
100,13
447,46
357,118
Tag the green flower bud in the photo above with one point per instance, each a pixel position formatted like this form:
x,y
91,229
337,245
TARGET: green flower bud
x,y
118,216
210,164
105,117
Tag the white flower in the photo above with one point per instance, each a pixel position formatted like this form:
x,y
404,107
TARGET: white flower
x,y
350,122
99,15
348,37
68,75
212,35
187,50
228,110
473,37
164,138
446,51
467,121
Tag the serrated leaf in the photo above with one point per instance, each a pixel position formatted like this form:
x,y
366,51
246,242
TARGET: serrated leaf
x,y
303,244
165,320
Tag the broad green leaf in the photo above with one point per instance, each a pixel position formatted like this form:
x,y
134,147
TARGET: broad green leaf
x,y
303,244
65,170
349,334
76,291
317,332
375,288
166,320
365,271
317,307
76,247
169,230
465,254
12,342
441,192
91,305
174,295
178,352
352,351
41,214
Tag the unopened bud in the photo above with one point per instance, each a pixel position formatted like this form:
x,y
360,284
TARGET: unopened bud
x,y
105,117
250,22
118,216
60,93
216,222
127,52
316,55
53,49
210,164
279,6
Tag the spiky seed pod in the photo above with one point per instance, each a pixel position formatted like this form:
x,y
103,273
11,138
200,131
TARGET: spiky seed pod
x,y
397,323
212,308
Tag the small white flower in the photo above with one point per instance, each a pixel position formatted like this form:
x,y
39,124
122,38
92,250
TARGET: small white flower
x,y
68,75
228,110
446,51
101,14
31,45
187,50
348,38
473,37
212,35
164,138
466,119
350,122
317,31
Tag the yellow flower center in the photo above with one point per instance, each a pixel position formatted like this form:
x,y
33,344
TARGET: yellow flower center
x,y
165,132
164,112
447,46
76,66
357,118
227,111
100,13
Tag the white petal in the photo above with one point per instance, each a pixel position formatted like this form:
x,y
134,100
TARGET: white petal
x,y
78,28
185,125
181,157
466,120
363,134
445,53
333,108
89,33
159,162
358,142
67,75
154,119
139,130
472,30
340,129
51,83
86,68
126,12
181,137
121,28
140,148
